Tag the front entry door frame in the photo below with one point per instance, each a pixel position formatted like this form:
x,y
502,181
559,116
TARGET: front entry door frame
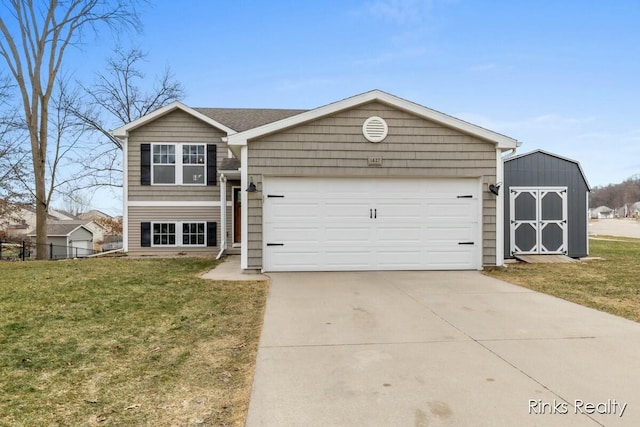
x,y
236,215
539,221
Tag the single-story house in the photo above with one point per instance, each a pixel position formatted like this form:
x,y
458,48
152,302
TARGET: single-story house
x,y
66,239
546,199
603,212
371,182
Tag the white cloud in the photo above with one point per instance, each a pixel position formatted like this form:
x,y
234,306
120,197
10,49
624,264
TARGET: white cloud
x,y
395,56
400,11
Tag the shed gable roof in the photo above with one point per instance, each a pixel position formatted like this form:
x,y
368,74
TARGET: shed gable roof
x,y
501,141
546,153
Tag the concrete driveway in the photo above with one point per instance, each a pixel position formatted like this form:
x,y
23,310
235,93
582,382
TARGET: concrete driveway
x,y
438,349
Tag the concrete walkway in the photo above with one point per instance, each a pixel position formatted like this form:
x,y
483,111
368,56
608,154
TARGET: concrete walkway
x,y
229,269
438,349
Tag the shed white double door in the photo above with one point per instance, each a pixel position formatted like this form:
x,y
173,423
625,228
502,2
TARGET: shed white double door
x,y
538,223
333,224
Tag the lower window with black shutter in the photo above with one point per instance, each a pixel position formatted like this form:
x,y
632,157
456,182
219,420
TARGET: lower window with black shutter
x,y
178,233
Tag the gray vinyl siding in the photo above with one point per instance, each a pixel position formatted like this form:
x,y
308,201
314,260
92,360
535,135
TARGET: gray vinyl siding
x,y
138,215
540,169
174,127
81,234
334,146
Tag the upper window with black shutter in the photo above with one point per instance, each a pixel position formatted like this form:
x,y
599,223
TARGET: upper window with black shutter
x,y
180,164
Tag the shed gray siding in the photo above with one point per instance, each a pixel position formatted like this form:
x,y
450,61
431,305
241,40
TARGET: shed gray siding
x,y
334,146
540,169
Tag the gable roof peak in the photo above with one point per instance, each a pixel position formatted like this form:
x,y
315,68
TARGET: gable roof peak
x,y
501,141
123,131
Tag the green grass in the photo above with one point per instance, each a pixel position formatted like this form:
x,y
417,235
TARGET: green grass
x,y
125,342
610,284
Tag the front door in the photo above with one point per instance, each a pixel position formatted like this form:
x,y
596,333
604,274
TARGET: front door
x,y
237,215
538,223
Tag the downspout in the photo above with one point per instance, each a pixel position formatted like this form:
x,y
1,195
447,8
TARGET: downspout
x,y
223,215
500,209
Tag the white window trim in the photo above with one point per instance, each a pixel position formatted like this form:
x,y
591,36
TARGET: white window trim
x,y
179,165
179,235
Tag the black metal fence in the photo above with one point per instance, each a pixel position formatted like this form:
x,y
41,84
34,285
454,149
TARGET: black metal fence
x,y
12,251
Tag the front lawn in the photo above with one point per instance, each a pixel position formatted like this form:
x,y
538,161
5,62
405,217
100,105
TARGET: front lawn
x,y
610,284
125,342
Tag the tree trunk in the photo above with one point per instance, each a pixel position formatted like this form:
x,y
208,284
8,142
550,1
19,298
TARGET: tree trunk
x,y
42,209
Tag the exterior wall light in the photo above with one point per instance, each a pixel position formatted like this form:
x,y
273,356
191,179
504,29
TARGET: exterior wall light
x,y
252,187
495,188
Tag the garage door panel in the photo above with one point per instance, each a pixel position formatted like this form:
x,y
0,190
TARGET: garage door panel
x,y
451,234
387,210
399,234
346,210
289,212
349,235
371,224
308,234
348,259
452,211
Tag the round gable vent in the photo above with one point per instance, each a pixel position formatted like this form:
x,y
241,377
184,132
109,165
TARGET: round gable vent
x,y
375,129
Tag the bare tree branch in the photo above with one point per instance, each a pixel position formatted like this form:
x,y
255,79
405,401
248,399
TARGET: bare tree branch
x,y
35,36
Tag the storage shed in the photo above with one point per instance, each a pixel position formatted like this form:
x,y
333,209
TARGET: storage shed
x,y
546,202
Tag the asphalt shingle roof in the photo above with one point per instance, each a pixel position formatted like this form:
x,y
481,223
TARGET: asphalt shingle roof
x,y
241,119
61,228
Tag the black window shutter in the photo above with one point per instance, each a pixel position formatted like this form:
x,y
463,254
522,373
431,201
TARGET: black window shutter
x,y
145,164
145,234
212,234
212,165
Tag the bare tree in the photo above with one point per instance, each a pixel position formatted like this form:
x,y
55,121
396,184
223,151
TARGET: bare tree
x,y
75,202
35,38
117,97
13,161
118,92
13,173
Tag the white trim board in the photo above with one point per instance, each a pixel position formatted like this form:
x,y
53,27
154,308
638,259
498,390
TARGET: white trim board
x,y
123,131
501,141
176,203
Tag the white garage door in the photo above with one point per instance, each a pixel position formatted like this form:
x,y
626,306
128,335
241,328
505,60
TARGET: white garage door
x,y
332,224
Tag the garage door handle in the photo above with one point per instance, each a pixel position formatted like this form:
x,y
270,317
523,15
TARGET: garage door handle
x,y
373,213
370,213
466,197
465,243
275,244
275,195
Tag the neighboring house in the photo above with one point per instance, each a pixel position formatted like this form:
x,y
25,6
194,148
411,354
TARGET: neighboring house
x,y
26,222
634,210
67,239
602,212
371,182
62,215
546,199
93,215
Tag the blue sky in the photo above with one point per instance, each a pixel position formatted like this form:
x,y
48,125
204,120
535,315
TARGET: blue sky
x,y
562,76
